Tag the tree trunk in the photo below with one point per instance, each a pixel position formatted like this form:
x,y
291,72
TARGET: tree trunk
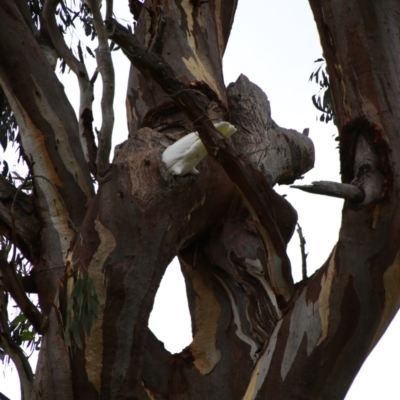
x,y
255,333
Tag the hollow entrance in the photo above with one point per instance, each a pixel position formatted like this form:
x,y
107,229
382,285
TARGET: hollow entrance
x,y
170,318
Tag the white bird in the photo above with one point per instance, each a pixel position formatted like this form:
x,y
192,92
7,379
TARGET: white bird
x,y
182,157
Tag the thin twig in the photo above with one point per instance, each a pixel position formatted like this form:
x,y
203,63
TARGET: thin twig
x,y
303,251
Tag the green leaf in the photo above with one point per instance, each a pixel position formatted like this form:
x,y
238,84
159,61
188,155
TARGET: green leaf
x,y
82,309
27,335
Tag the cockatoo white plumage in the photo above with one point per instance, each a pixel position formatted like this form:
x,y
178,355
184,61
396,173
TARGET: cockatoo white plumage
x,y
182,157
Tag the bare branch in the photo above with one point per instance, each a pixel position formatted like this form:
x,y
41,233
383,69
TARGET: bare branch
x,y
106,68
14,287
109,9
334,189
15,352
135,7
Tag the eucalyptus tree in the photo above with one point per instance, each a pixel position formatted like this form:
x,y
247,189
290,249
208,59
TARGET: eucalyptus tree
x,y
97,236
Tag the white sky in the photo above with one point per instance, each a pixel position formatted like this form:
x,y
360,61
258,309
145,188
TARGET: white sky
x,y
274,43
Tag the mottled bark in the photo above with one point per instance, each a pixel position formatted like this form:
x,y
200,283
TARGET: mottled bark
x,y
86,83
52,149
339,315
255,333
50,141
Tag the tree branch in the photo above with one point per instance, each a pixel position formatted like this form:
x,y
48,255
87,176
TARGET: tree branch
x,y
14,287
86,85
104,62
22,216
109,9
334,189
15,352
57,38
256,192
24,10
303,251
282,155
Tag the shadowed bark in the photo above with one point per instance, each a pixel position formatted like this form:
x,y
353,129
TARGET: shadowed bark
x,y
17,211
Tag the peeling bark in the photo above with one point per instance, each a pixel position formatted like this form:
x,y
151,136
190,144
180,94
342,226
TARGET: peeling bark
x,y
49,137
261,140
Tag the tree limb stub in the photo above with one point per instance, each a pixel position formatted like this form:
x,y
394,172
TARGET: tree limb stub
x,y
282,155
334,189
255,190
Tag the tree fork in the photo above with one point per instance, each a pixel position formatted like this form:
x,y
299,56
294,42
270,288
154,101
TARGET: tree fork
x,y
256,192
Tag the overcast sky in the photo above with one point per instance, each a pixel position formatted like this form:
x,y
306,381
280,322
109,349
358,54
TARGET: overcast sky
x,y
274,43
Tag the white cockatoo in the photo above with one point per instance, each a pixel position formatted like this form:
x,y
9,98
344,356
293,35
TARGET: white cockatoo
x,y
182,157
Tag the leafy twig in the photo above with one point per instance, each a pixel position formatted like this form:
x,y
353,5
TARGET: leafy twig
x,y
14,351
323,99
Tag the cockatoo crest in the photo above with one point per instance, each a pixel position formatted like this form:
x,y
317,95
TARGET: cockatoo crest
x,y
182,157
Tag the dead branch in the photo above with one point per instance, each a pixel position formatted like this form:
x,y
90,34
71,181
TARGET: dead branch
x,y
303,251
282,155
334,189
